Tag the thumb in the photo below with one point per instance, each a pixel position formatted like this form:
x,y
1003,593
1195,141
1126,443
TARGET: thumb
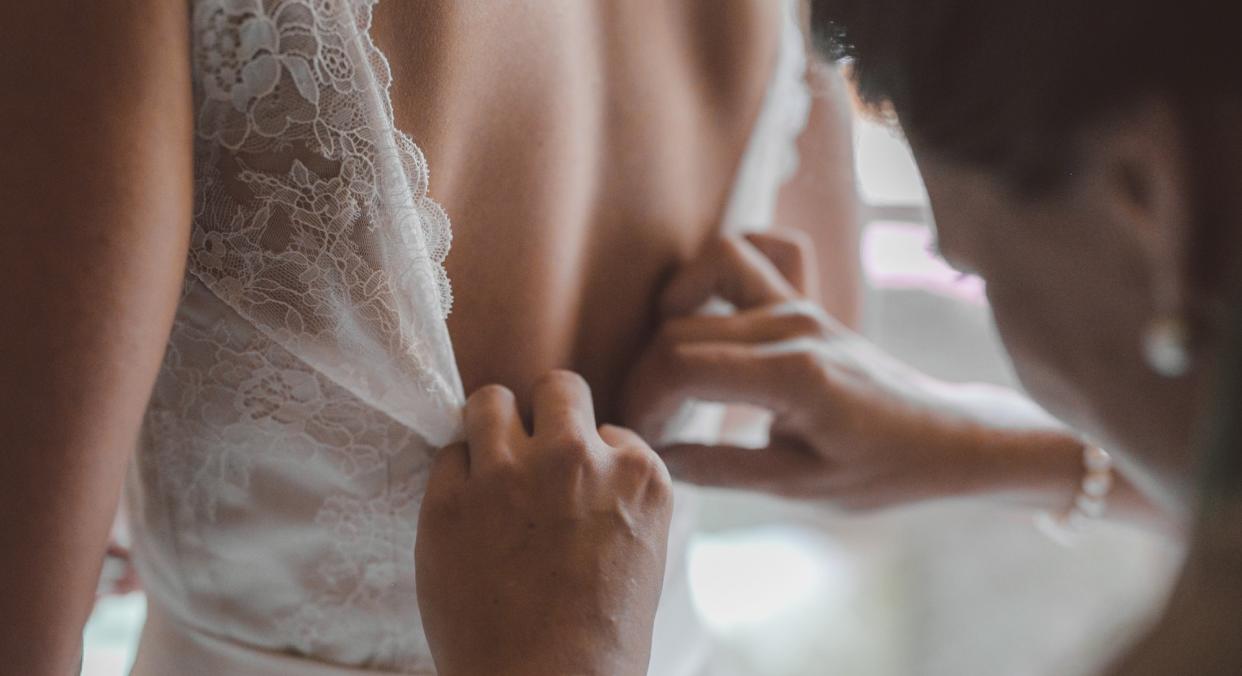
x,y
785,469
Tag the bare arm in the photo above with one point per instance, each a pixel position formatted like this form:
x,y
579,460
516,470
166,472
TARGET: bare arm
x,y
96,194
852,426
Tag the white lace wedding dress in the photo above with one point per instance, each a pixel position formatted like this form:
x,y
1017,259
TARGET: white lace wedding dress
x,y
310,376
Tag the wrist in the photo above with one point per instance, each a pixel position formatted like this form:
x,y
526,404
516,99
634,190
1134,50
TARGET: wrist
x,y
1013,451
1037,469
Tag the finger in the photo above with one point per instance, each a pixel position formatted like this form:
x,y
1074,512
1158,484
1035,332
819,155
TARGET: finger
x,y
780,470
449,470
793,255
732,269
793,319
493,427
758,375
646,472
561,402
620,437
779,377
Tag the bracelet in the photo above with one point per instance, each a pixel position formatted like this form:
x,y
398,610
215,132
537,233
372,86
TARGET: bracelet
x,y
1089,503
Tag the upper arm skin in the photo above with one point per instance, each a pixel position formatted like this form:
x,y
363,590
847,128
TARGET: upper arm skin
x,y
95,204
821,200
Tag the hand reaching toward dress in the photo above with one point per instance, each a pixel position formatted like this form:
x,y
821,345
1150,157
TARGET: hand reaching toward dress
x,y
542,553
852,425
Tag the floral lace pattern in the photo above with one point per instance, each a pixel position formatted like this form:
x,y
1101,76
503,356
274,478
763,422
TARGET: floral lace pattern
x,y
375,559
309,372
313,220
230,408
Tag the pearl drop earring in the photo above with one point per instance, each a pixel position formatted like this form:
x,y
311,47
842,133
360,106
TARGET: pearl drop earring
x,y
1166,346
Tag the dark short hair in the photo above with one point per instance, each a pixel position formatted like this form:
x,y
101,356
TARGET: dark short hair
x,y
1006,83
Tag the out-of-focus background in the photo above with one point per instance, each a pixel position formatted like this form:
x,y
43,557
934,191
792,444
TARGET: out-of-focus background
x,y
942,590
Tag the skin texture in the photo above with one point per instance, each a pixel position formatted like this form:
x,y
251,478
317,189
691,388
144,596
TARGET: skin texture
x,y
542,552
97,191
853,427
609,167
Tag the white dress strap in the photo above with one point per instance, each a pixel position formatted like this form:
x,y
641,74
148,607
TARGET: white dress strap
x,y
771,156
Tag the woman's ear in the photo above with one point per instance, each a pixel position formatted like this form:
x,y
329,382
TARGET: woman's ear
x,y
1149,187
1139,158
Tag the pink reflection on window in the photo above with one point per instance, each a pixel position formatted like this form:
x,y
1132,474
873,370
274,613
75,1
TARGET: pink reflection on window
x,y
899,255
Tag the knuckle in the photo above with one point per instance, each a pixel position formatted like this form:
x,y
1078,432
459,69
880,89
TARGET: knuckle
x,y
660,486
803,323
660,483
490,395
569,444
624,435
609,430
639,465
501,468
635,461
560,378
448,454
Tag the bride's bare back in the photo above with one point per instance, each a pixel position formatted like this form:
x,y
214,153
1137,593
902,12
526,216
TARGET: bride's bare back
x,y
581,149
